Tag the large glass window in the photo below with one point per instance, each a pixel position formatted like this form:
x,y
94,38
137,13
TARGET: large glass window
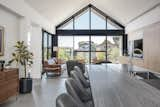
x,y
82,56
82,20
112,26
114,48
98,49
81,48
97,57
67,26
65,47
97,20
47,45
86,43
90,48
81,43
98,43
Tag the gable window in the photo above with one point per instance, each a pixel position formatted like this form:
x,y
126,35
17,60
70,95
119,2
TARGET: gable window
x,y
92,35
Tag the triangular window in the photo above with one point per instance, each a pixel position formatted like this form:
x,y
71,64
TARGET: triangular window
x,y
97,20
68,25
112,26
90,18
82,20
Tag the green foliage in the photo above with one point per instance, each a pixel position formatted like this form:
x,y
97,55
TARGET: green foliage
x,y
64,54
21,55
138,51
113,54
101,55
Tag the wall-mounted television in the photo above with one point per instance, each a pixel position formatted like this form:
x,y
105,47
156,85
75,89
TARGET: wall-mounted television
x,y
138,48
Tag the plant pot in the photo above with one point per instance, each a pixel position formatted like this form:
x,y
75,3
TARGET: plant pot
x,y
25,85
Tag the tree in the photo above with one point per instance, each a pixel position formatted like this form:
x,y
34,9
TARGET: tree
x,y
22,56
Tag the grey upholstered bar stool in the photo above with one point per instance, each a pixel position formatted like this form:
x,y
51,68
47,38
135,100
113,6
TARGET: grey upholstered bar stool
x,y
75,76
65,100
78,94
78,69
71,63
81,77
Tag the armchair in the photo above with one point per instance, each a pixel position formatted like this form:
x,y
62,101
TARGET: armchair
x,y
55,68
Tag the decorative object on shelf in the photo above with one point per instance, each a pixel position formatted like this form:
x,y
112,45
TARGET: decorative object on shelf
x,y
24,58
138,53
138,48
2,65
1,41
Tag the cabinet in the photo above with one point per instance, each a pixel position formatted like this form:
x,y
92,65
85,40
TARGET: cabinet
x,y
9,83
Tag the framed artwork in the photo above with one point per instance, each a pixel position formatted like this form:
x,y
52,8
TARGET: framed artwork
x,y
1,41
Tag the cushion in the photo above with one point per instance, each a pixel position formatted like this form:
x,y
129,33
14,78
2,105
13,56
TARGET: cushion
x,y
51,61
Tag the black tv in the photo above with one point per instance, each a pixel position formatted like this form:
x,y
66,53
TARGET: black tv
x,y
138,48
138,44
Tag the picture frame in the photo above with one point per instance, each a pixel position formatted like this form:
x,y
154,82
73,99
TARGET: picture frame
x,y
1,41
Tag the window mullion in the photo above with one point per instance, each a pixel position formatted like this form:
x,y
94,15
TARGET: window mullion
x,y
106,42
73,53
90,35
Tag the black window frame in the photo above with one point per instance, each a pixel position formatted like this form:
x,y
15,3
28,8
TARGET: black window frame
x,y
94,32
48,47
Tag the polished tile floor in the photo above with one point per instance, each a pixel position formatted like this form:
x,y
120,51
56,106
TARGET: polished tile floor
x,y
44,93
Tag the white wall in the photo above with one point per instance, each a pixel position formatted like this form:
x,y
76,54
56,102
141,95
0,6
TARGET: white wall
x,y
147,19
10,22
31,34
20,20
24,10
35,47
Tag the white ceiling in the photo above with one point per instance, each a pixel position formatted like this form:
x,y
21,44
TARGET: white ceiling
x,y
123,11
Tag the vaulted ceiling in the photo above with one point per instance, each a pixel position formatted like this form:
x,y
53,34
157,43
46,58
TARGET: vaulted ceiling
x,y
123,11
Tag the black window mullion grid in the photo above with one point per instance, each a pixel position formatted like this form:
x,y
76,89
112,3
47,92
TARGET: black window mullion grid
x,y
90,35
42,46
106,42
45,33
52,38
50,46
106,17
47,45
73,52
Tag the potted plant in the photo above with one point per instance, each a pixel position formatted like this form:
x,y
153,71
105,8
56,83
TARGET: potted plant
x,y
24,58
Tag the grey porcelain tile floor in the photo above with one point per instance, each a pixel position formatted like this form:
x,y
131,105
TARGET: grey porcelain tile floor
x,y
44,94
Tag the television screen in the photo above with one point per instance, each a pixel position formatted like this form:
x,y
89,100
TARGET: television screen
x,y
138,48
138,44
